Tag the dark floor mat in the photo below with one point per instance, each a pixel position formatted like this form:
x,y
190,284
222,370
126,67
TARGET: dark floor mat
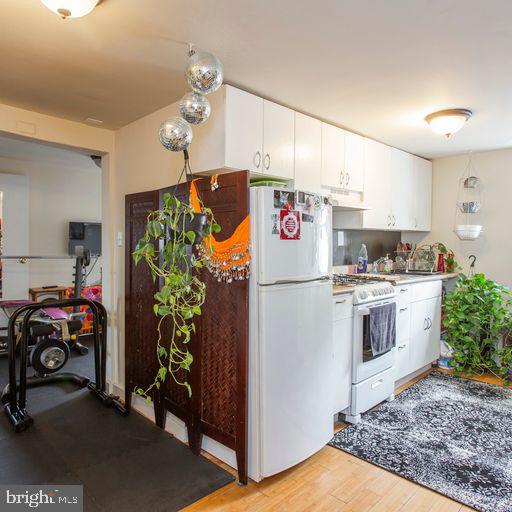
x,y
124,463
450,434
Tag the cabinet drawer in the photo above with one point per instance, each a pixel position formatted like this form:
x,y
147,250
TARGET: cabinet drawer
x,y
423,291
342,306
372,391
402,363
403,295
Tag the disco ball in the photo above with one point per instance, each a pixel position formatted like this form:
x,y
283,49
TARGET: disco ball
x,y
204,72
195,108
175,134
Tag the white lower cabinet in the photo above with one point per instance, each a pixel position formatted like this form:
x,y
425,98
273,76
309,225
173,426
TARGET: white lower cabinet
x,y
418,327
342,351
425,332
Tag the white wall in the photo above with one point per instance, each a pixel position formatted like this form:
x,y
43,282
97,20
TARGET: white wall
x,y
58,194
494,247
141,164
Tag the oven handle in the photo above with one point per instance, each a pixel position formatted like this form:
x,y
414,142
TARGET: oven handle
x,y
364,311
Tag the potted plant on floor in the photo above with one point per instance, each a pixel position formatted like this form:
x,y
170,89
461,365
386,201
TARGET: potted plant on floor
x,y
478,321
166,249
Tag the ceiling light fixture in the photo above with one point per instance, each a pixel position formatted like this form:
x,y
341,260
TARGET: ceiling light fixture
x,y
71,8
447,122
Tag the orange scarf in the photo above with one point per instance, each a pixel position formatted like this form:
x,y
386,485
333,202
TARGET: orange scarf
x,y
229,259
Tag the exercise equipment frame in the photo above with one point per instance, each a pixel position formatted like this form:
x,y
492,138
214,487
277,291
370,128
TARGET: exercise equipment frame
x,y
14,395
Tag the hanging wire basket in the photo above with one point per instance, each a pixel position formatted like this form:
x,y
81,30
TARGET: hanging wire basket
x,y
468,204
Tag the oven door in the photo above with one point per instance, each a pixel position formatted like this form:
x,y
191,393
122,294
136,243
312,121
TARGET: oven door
x,y
364,363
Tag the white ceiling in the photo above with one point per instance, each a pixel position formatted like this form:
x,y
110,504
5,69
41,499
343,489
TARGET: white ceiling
x,y
376,67
46,155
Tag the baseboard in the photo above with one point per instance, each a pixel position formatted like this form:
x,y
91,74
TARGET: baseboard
x,y
178,429
411,376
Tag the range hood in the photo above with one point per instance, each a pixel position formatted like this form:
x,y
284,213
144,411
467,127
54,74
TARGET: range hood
x,y
347,202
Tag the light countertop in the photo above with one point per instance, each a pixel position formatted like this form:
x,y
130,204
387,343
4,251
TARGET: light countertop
x,y
397,280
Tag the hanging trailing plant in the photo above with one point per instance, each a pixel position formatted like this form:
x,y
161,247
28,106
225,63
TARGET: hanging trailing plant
x,y
477,321
166,247
175,228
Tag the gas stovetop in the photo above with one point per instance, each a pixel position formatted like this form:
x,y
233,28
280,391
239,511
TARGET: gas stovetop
x,y
354,279
366,288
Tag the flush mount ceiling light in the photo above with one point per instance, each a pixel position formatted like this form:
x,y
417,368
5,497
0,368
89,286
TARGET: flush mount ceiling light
x,y
71,8
447,122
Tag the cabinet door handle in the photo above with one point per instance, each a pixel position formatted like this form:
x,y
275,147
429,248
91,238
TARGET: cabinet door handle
x,y
403,309
257,159
389,221
341,301
401,347
341,178
425,324
347,179
266,161
394,220
429,323
403,290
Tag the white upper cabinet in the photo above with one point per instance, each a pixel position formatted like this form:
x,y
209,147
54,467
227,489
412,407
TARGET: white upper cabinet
x,y
249,133
423,194
243,130
333,156
354,162
403,190
278,140
377,185
308,153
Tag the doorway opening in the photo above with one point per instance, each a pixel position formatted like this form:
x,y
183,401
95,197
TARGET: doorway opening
x,y
51,206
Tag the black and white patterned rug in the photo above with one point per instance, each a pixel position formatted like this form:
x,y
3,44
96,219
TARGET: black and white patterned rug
x,y
450,434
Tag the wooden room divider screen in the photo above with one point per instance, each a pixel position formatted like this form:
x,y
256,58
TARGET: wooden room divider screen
x,y
218,376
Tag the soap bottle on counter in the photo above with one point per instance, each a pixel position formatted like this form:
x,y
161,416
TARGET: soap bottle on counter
x,y
387,265
362,260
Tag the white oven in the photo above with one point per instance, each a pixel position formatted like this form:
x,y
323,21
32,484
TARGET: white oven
x,y
364,363
373,376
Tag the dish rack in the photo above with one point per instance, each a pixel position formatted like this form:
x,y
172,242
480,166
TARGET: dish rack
x,y
422,260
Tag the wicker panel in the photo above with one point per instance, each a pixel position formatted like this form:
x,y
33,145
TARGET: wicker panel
x,y
140,321
218,374
224,323
220,338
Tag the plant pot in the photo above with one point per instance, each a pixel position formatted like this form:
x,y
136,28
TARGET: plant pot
x,y
197,225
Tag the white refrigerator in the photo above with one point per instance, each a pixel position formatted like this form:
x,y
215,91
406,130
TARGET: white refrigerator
x,y
290,348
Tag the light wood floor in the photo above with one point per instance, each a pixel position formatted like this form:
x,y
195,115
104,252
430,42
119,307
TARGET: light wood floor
x,y
330,481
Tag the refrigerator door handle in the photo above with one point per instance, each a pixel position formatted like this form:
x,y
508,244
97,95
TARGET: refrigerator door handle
x,y
297,281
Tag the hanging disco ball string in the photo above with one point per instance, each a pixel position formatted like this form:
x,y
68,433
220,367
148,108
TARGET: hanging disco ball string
x,y
204,75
